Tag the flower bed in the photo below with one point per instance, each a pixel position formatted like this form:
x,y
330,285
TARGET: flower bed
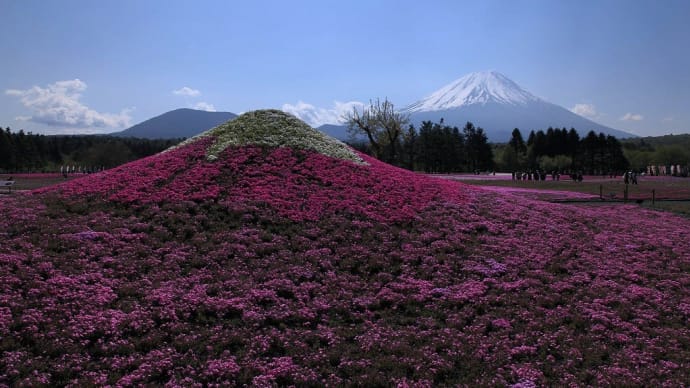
x,y
278,266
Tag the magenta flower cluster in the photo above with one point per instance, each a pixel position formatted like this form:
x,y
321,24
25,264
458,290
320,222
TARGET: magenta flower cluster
x,y
300,185
279,267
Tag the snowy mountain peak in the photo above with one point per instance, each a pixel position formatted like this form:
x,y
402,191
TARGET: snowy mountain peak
x,y
475,88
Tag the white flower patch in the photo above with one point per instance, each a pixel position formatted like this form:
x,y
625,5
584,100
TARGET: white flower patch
x,y
274,128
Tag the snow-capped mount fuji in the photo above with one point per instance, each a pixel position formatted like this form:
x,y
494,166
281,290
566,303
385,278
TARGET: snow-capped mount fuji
x,y
494,102
475,88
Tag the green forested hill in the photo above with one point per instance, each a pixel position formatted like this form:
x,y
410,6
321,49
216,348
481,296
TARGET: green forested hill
x,y
657,150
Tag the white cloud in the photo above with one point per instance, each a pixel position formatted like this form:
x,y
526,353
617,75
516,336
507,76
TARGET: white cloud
x,y
204,106
58,105
317,117
586,110
670,118
186,91
632,117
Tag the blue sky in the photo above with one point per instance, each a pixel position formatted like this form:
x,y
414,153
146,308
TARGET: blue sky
x,y
100,66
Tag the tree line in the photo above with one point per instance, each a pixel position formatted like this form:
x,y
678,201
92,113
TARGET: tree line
x,y
28,152
668,150
435,147
563,150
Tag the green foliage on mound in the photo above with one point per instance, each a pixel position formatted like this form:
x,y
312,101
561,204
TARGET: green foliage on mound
x,y
274,128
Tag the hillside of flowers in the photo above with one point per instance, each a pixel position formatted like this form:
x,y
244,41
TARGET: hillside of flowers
x,y
273,128
281,266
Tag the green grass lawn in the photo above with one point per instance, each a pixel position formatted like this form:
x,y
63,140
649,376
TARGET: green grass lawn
x,y
670,194
678,188
681,207
25,182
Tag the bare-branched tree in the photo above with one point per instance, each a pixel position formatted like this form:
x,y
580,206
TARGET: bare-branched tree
x,y
382,126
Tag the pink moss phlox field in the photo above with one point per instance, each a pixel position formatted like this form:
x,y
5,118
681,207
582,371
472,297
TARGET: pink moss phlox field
x,y
300,185
277,267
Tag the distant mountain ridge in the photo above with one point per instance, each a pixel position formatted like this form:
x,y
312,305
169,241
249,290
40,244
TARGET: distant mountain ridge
x,y
492,101
338,131
488,99
177,123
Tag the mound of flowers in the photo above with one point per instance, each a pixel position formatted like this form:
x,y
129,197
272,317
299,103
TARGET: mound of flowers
x,y
298,184
279,266
273,128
